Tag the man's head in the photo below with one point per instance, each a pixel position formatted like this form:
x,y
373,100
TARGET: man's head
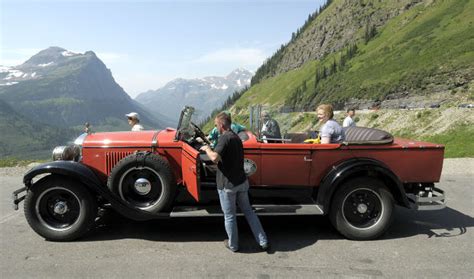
x,y
133,118
325,112
223,122
265,115
351,112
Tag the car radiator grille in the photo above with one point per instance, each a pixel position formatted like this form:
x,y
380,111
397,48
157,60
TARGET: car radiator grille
x,y
112,158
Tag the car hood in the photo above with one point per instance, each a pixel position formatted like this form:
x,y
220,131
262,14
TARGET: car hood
x,y
121,139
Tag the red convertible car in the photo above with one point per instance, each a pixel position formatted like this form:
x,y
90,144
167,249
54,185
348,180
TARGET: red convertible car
x,y
159,174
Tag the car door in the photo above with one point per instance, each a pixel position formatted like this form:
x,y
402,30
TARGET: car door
x,y
285,164
190,170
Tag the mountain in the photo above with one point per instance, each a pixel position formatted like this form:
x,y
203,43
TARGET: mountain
x,y
205,94
26,138
66,89
405,65
371,53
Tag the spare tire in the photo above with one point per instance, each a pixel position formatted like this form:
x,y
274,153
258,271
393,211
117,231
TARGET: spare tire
x,y
145,181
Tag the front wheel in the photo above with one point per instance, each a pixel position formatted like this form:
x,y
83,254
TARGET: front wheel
x,y
60,209
362,209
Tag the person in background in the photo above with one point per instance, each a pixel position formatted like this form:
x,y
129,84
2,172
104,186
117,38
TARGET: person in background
x,y
214,134
270,128
232,183
349,121
331,131
134,121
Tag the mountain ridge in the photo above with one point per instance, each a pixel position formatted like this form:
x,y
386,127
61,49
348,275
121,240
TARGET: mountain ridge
x,y
205,93
66,89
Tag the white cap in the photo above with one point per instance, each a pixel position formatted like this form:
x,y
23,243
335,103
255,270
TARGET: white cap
x,y
133,115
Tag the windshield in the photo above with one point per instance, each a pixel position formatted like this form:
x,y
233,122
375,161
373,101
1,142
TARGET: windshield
x,y
185,131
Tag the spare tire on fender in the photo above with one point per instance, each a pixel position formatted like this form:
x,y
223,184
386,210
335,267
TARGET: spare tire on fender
x,y
144,180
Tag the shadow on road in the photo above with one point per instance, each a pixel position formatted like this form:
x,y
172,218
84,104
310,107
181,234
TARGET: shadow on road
x,y
286,233
447,222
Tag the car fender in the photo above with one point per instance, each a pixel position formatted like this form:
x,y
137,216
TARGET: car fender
x,y
87,177
353,168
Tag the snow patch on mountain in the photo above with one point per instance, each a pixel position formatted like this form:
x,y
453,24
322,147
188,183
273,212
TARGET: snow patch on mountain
x,y
46,64
69,53
205,94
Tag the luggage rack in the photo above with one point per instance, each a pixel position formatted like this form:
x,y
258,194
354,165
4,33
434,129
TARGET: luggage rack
x,y
434,200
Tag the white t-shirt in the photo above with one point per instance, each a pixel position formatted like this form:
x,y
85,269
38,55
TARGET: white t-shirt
x,y
137,127
348,122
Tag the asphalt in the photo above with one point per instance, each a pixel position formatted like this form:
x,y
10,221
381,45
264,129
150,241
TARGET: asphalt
x,y
418,244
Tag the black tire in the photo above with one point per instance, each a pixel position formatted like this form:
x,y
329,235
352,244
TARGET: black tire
x,y
156,189
362,209
60,209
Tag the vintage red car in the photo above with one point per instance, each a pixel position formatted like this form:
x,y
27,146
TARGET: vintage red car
x,y
159,174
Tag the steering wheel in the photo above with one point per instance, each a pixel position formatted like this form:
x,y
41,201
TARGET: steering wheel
x,y
200,133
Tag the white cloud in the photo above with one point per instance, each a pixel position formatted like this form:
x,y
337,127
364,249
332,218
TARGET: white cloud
x,y
237,56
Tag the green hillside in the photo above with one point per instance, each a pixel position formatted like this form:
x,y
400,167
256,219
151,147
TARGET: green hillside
x,y
27,139
424,54
430,47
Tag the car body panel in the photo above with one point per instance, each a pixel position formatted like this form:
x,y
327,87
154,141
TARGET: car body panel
x,y
278,164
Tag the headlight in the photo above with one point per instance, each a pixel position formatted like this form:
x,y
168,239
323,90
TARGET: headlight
x,y
66,153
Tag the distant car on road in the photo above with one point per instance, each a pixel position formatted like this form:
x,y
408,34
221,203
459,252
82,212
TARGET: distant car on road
x,y
466,106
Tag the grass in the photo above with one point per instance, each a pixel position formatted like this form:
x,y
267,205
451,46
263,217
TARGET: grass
x,y
423,50
423,45
15,162
458,141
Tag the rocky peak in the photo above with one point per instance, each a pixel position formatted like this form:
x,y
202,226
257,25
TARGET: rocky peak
x,y
47,57
241,77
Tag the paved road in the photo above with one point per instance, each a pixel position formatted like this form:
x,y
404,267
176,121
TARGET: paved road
x,y
419,244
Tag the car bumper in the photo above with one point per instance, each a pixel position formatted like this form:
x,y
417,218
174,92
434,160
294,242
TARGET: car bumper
x,y
434,200
17,198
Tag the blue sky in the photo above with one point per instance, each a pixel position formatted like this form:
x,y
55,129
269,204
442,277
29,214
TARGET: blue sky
x,y
148,43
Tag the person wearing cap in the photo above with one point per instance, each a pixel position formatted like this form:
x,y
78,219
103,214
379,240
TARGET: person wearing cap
x,y
270,128
134,121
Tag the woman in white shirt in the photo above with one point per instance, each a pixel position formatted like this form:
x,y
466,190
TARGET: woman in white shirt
x,y
331,131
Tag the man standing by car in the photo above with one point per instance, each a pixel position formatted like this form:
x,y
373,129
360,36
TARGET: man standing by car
x,y
134,121
349,121
232,183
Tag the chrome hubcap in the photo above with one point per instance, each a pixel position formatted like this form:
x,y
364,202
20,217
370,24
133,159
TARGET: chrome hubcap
x,y
362,208
60,207
142,186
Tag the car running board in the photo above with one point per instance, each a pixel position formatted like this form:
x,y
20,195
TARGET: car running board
x,y
263,209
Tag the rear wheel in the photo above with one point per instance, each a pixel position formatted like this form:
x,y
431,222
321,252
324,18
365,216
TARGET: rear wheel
x,y
60,209
362,209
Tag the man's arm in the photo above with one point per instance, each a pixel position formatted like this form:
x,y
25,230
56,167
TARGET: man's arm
x,y
214,156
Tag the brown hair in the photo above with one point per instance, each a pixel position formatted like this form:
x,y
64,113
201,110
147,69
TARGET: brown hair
x,y
225,119
327,109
